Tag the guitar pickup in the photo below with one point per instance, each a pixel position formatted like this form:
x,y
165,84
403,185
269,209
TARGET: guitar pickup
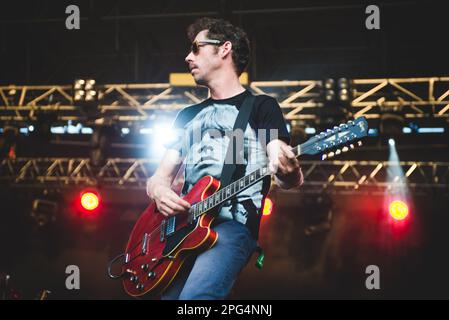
x,y
162,237
170,228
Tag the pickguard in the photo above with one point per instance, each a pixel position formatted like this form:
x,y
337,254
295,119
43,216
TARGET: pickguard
x,y
176,238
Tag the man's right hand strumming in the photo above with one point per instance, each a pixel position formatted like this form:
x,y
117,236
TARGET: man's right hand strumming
x,y
167,201
158,186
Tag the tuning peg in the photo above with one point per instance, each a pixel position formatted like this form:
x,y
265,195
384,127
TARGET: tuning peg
x,y
351,146
359,143
324,157
345,149
331,154
337,152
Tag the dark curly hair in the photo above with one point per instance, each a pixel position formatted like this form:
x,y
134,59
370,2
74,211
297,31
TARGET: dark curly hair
x,y
223,30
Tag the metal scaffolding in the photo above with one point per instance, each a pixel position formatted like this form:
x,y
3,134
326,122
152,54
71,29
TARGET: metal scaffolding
x,y
299,100
339,176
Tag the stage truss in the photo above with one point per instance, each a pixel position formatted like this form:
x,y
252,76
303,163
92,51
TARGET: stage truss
x,y
414,98
338,176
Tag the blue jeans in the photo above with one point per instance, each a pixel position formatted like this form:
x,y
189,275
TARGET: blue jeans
x,y
213,273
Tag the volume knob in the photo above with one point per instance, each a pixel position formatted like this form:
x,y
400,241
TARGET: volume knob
x,y
145,267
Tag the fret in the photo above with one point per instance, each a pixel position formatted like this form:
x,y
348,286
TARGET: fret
x,y
229,191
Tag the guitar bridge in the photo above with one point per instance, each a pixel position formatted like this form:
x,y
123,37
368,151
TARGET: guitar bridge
x,y
145,244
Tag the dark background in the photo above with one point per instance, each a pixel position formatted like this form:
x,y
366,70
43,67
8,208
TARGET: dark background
x,y
142,42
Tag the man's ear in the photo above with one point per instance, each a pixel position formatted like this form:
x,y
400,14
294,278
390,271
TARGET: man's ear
x,y
226,49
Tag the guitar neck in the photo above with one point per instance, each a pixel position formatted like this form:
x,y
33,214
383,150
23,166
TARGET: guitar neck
x,y
319,143
235,187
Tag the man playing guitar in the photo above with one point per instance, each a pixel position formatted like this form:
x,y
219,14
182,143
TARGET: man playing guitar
x,y
219,54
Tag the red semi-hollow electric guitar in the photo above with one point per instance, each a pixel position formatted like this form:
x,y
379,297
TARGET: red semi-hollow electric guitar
x,y
158,246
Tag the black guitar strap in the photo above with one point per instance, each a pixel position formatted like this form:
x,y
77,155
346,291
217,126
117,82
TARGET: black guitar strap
x,y
231,170
235,149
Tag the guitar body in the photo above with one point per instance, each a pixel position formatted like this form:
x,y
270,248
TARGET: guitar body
x,y
156,251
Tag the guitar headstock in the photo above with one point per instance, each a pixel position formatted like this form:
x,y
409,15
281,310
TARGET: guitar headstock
x,y
340,139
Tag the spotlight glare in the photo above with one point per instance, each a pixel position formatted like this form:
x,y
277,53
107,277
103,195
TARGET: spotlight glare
x,y
398,210
329,83
343,83
391,142
89,201
267,207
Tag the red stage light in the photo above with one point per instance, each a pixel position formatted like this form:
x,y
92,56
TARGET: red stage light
x,y
398,210
267,207
89,200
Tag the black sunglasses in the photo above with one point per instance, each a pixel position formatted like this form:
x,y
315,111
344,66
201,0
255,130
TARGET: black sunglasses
x,y
195,48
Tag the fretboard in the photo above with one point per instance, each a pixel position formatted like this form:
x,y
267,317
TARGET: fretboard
x,y
234,188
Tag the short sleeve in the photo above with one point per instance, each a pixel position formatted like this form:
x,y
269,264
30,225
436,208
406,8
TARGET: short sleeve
x,y
270,118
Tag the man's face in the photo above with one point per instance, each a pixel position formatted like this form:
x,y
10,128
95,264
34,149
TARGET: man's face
x,y
205,61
